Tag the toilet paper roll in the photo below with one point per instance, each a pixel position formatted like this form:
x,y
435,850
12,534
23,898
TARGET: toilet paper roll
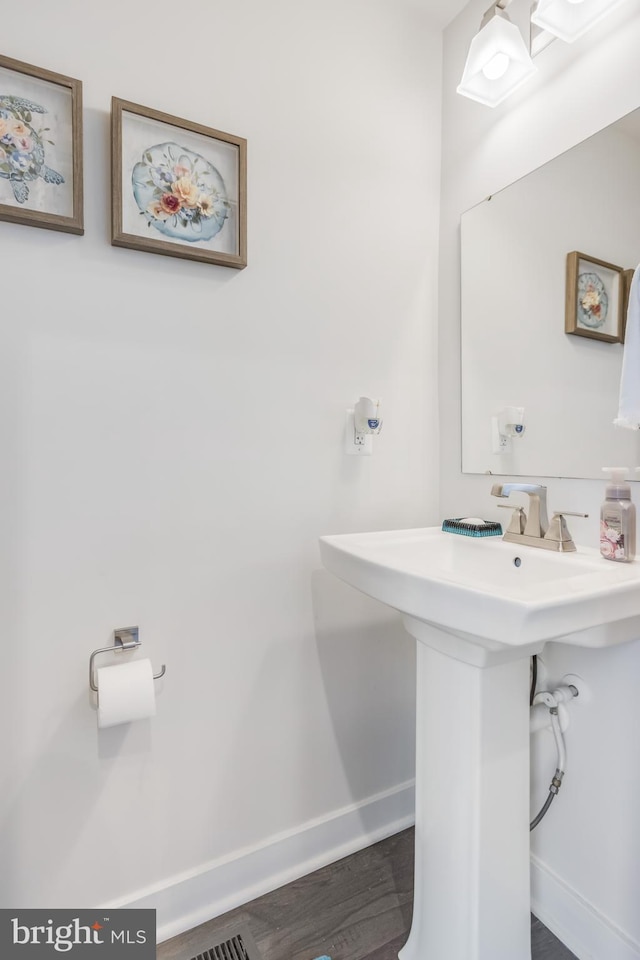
x,y
125,693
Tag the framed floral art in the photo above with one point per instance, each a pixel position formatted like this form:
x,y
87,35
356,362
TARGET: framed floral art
x,y
178,187
40,147
594,298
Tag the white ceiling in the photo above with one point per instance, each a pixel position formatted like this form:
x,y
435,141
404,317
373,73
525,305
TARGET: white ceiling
x,y
442,11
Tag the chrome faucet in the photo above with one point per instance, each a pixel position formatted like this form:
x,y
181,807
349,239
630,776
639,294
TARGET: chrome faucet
x,y
535,529
537,522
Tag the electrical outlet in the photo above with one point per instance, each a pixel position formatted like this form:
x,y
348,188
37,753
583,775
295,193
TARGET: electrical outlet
x,y
356,444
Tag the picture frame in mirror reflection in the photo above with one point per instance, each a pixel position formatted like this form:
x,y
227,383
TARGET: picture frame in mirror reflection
x,y
627,277
178,187
40,147
595,298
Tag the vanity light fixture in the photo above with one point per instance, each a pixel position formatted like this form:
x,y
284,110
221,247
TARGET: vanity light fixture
x,y
498,61
569,19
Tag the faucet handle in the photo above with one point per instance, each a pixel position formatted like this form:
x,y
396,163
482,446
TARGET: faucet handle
x,y
558,530
518,519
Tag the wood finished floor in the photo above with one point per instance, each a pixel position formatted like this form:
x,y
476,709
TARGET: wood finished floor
x,y
356,909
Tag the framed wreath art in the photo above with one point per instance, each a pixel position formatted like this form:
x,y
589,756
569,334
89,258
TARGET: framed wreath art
x,y
594,298
178,188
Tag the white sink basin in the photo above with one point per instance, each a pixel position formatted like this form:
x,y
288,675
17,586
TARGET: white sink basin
x,y
492,590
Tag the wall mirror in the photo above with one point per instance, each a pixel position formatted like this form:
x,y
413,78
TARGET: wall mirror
x,y
518,364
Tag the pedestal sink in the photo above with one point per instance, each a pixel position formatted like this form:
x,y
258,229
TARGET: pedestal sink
x,y
479,608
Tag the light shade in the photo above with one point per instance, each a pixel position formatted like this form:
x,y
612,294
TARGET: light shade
x,y
569,19
498,62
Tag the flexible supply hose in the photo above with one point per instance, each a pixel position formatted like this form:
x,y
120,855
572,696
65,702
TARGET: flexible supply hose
x,y
536,820
557,733
556,783
534,678
552,700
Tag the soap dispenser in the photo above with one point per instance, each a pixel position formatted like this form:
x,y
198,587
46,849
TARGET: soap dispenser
x,y
618,518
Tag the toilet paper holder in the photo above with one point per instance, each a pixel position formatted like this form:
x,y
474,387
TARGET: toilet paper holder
x,y
126,638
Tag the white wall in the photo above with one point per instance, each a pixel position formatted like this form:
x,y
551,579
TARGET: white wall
x,y
172,439
586,875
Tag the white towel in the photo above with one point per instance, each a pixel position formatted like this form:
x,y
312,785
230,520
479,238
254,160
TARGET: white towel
x,y
629,405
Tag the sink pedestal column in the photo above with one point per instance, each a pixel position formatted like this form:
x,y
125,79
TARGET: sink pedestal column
x,y
471,893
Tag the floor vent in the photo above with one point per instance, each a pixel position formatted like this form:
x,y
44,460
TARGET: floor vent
x,y
236,944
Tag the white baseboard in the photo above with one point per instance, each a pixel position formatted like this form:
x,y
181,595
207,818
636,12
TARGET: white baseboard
x,y
575,921
188,899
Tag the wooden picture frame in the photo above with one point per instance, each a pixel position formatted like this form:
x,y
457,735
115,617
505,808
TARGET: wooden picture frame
x,y
178,188
626,278
594,298
40,147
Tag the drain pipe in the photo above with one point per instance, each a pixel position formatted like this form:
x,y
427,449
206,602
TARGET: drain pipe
x,y
553,702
